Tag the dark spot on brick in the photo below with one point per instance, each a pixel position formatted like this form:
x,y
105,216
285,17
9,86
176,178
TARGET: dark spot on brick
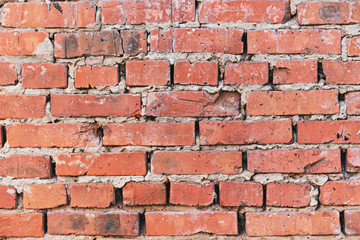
x,y
108,224
79,222
132,44
346,138
104,39
71,44
329,12
57,6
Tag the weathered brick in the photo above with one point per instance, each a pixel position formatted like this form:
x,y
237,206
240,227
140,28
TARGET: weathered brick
x,y
352,101
241,194
8,197
191,194
134,41
192,104
208,40
244,132
198,73
126,105
93,223
292,223
8,74
22,166
292,103
91,195
317,132
288,194
353,160
353,45
183,10
149,134
96,76
44,196
25,43
70,45
352,222
52,135
101,164
53,15
265,11
246,73
136,12
161,39
339,193
144,73
295,71
294,161
314,13
44,75
188,162
144,193
22,106
188,223
294,41
342,72
22,225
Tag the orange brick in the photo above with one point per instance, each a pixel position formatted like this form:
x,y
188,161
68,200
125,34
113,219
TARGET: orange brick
x,y
96,76
44,75
246,73
8,75
44,196
144,73
144,193
191,194
342,72
22,225
340,193
198,73
241,194
288,195
91,195
8,197
22,106
295,71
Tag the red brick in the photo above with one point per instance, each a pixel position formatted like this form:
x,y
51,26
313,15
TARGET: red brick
x,y
246,73
352,101
91,195
241,194
352,224
44,196
208,40
53,15
192,104
125,105
295,71
292,223
22,166
101,164
191,194
136,12
25,43
8,75
288,195
353,160
44,75
70,45
294,41
183,10
144,193
161,39
134,42
317,132
265,11
93,223
189,162
198,73
149,134
52,135
22,225
294,161
353,45
8,197
144,73
339,193
342,72
188,223
243,132
22,106
292,103
314,13
96,76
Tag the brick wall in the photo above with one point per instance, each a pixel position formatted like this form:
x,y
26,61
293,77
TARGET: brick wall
x,y
217,119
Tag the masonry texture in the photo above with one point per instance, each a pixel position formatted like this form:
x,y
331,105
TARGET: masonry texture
x,y
179,119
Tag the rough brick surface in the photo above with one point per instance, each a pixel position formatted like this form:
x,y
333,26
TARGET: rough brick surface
x,y
179,119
